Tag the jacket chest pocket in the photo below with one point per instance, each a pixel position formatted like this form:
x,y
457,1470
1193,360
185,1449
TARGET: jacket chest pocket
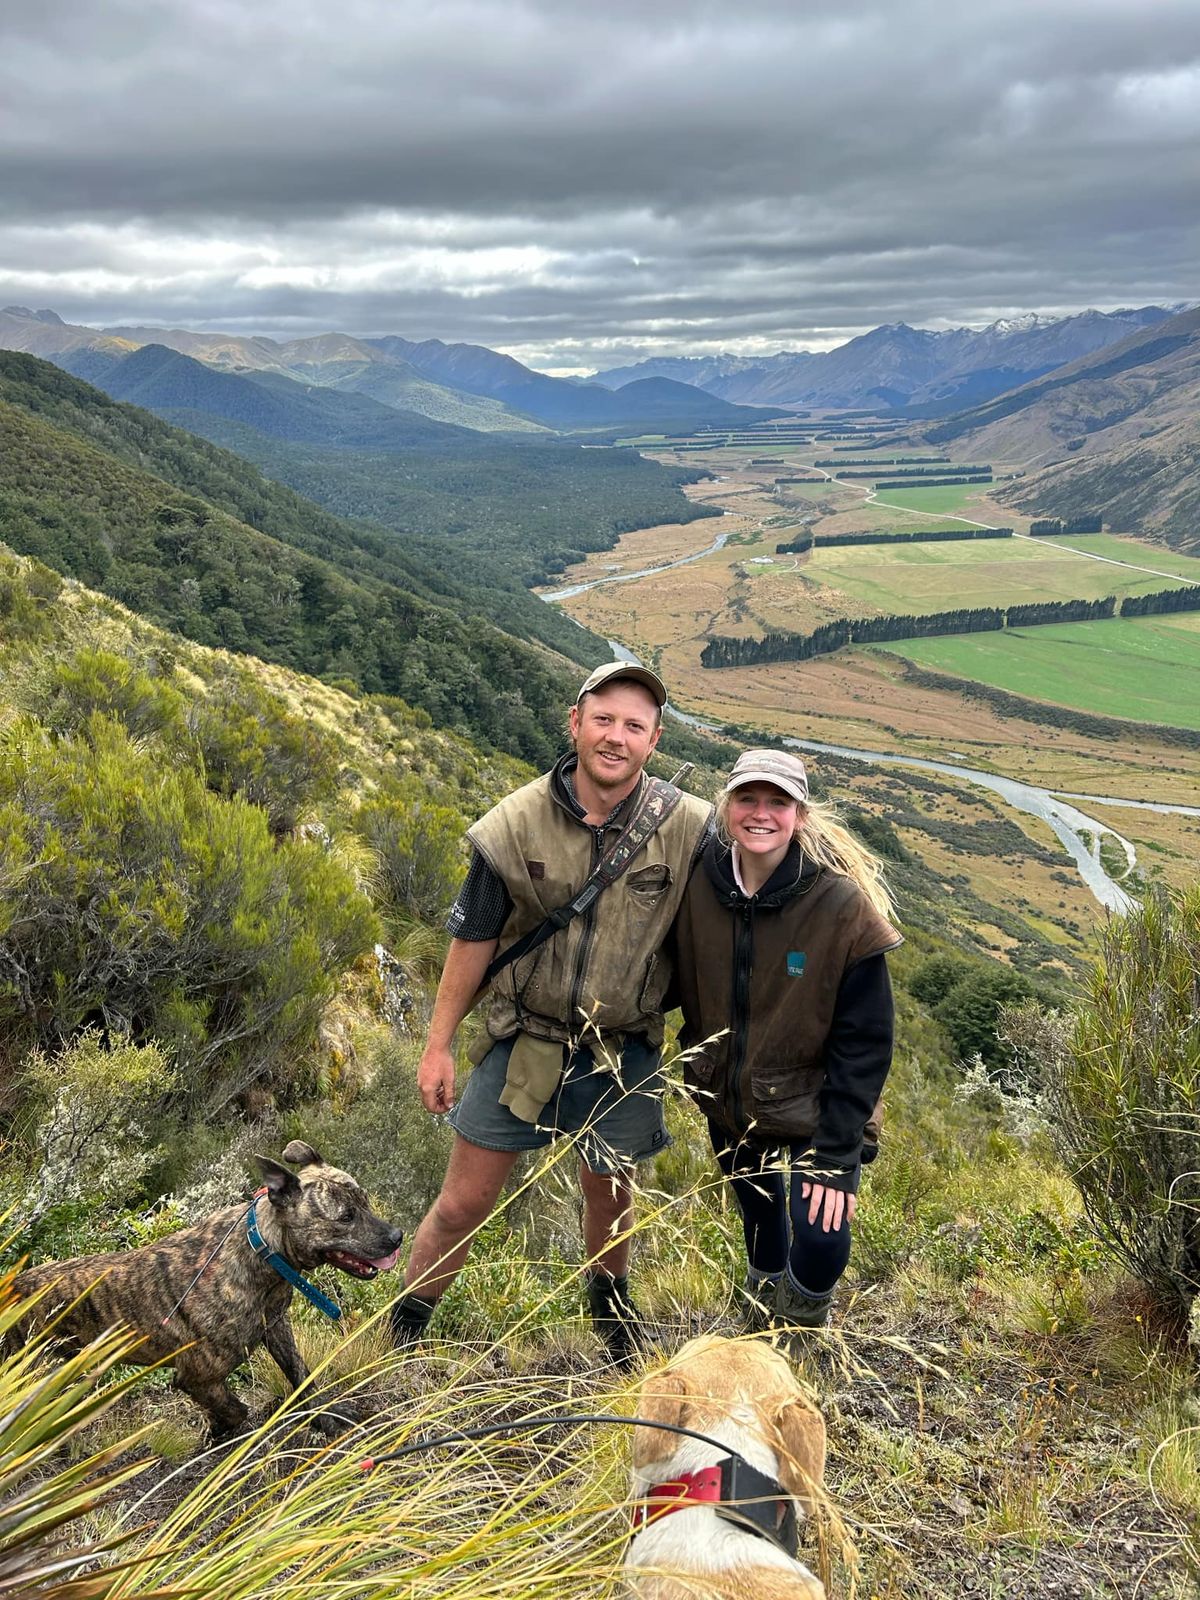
x,y
646,886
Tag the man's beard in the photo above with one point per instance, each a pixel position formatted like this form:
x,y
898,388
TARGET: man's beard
x,y
604,776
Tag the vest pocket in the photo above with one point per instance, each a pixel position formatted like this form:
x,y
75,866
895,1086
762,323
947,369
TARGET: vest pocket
x,y
647,885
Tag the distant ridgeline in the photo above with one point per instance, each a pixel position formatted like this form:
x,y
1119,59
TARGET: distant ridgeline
x,y
723,651
871,536
1045,526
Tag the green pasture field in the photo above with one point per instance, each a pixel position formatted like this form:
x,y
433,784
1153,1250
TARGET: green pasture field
x,y
924,577
1146,669
868,514
951,497
1136,551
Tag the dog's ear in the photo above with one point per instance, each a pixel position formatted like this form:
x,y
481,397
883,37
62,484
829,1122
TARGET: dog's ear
x,y
282,1186
663,1398
801,1430
299,1154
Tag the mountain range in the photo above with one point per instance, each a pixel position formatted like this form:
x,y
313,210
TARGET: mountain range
x,y
922,372
1100,408
463,385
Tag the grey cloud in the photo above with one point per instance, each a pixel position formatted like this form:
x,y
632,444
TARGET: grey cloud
x,y
576,184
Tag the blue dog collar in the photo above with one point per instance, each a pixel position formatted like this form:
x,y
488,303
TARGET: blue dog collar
x,y
285,1269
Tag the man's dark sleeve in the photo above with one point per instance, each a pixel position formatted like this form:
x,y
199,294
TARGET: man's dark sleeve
x,y
483,905
858,1055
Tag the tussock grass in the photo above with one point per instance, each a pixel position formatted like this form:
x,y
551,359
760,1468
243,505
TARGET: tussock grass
x,y
1006,1417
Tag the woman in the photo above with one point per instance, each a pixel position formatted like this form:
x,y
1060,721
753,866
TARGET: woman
x,y
788,1021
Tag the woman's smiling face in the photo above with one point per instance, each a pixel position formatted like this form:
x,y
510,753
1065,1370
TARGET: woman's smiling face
x,y
762,819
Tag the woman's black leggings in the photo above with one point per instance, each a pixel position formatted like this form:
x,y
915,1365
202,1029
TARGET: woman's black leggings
x,y
768,1196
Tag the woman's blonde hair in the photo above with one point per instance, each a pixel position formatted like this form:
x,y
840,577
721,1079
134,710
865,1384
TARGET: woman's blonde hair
x,y
825,839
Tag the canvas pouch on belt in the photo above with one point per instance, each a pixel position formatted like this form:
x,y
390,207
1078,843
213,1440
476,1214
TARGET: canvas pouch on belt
x,y
534,1068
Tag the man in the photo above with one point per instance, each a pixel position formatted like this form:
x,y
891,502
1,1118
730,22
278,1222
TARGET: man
x,y
574,1026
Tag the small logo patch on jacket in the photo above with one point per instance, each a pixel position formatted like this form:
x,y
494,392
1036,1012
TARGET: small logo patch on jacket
x,y
537,869
795,963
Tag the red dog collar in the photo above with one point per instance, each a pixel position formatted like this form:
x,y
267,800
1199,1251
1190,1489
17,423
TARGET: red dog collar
x,y
692,1488
739,1492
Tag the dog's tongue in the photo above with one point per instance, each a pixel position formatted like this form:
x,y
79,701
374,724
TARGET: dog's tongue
x,y
386,1263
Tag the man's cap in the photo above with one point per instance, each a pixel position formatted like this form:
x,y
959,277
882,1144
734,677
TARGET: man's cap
x,y
779,767
613,670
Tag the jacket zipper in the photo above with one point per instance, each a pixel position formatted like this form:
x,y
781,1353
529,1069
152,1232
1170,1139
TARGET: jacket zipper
x,y
585,944
743,968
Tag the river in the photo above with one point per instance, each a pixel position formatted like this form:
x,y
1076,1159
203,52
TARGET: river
x,y
642,572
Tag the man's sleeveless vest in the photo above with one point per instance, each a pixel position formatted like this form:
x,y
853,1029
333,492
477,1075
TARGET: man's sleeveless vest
x,y
604,970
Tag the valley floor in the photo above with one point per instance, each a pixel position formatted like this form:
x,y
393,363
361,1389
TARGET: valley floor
x,y
920,697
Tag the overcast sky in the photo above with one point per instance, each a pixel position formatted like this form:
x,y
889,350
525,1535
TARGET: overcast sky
x,y
584,184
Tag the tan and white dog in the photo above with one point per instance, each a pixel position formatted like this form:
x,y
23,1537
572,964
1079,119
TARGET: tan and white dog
x,y
686,1546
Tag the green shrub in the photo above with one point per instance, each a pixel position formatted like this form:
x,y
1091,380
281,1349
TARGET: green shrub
x,y
253,746
1123,1094
72,691
971,1009
93,1136
133,899
419,849
935,977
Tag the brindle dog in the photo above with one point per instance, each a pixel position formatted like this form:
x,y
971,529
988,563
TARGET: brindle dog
x,y
237,1301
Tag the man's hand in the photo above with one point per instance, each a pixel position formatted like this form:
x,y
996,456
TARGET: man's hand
x,y
462,975
435,1079
835,1203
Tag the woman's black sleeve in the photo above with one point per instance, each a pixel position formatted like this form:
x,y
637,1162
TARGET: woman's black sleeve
x,y
858,1054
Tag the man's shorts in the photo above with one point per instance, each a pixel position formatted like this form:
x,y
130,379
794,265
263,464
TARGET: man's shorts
x,y
617,1117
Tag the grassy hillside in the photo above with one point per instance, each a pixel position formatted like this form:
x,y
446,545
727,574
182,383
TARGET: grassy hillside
x,y
1007,1412
1148,485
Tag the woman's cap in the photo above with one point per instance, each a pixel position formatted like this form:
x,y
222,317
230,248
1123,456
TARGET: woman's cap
x,y
779,767
613,670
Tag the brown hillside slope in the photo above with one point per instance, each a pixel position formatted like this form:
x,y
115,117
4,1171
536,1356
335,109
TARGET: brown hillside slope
x,y
1116,433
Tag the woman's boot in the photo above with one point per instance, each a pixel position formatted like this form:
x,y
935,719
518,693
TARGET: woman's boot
x,y
796,1307
757,1296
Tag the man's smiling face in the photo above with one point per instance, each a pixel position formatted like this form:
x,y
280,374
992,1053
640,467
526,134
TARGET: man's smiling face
x,y
615,730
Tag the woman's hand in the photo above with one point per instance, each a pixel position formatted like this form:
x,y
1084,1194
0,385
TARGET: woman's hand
x,y
835,1203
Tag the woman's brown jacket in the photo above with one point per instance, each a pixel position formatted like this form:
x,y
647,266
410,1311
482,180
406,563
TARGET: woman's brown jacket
x,y
783,1042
